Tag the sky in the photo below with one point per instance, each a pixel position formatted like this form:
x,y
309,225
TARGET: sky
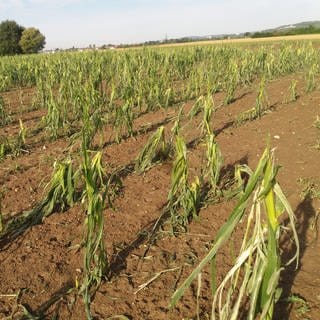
x,y
80,23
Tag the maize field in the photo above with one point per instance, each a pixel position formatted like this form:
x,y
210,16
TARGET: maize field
x,y
161,183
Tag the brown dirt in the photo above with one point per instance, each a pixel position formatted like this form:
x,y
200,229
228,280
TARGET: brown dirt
x,y
43,264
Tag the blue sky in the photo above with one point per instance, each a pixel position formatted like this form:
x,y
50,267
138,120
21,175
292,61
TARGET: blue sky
x,y
67,23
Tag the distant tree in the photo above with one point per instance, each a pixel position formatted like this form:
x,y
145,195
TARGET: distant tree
x,y
32,41
10,34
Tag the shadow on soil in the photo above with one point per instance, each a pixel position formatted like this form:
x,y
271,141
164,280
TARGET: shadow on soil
x,y
118,260
304,213
57,298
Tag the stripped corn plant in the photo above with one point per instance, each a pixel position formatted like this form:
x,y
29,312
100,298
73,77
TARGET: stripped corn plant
x,y
21,140
4,117
260,107
60,194
208,109
61,189
256,270
293,95
124,120
214,163
231,83
261,100
311,78
183,199
5,147
156,149
196,108
95,257
175,130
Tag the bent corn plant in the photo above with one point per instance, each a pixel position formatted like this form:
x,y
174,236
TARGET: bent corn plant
x,y
183,199
255,273
60,194
155,149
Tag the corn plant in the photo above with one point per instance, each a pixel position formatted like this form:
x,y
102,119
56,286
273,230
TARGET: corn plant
x,y
240,181
196,108
180,169
21,140
53,119
60,194
18,144
43,89
155,149
245,116
208,109
124,120
175,130
183,199
61,190
293,95
15,145
5,147
95,257
168,98
128,117
214,162
253,279
231,83
261,100
112,98
192,201
311,83
88,129
259,109
4,117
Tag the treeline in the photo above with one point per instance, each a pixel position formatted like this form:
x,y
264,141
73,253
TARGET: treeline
x,y
16,39
177,40
166,41
288,32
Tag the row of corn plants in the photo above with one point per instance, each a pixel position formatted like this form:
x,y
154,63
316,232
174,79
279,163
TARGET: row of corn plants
x,y
121,85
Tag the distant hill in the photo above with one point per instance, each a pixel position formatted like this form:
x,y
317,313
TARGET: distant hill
x,y
300,25
306,27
